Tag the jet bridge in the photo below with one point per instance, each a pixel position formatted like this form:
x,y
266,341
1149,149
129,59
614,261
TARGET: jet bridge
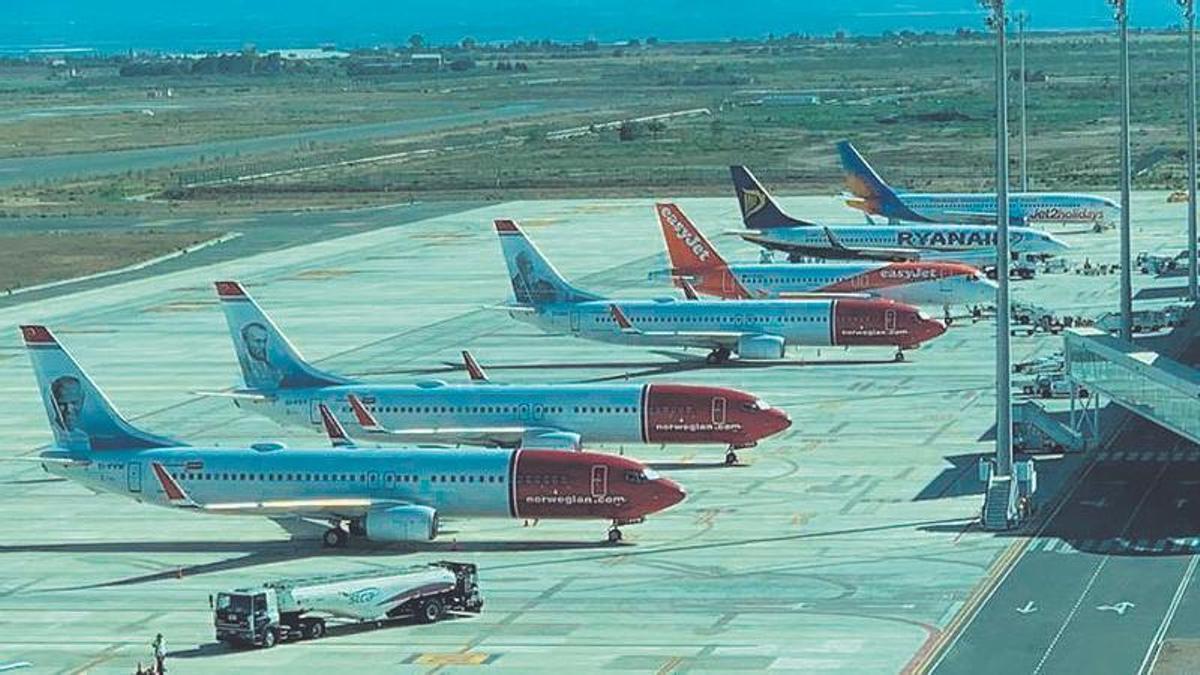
x,y
1144,382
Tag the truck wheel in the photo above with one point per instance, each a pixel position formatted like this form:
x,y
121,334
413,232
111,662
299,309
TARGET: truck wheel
x,y
315,629
432,610
268,639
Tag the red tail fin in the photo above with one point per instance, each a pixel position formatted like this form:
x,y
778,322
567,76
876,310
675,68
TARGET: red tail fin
x,y
694,258
687,248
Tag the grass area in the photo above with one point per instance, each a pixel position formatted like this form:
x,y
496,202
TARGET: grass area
x,y
921,109
32,258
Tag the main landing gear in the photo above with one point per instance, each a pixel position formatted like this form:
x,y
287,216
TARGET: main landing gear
x,y
336,537
718,355
946,318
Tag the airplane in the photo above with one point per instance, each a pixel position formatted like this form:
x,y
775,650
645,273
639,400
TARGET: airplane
x,y
751,329
697,263
768,226
871,195
281,385
393,494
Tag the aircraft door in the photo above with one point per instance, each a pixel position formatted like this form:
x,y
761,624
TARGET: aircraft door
x,y
314,412
599,481
718,410
373,479
523,411
889,320
574,318
133,477
727,282
538,412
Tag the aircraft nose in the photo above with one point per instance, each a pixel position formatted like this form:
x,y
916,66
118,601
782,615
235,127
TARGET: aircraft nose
x,y
930,328
668,493
777,421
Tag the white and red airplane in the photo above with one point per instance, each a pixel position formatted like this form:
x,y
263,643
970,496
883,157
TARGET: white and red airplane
x,y
753,329
383,495
695,261
281,385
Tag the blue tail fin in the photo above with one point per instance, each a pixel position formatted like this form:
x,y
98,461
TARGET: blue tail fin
x,y
81,416
535,282
759,210
269,362
861,179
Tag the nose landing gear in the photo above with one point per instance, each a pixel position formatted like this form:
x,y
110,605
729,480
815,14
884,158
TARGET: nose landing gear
x,y
899,358
731,457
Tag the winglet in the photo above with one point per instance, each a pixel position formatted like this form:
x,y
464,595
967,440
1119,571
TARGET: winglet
x,y
172,489
476,371
689,291
333,429
622,321
833,238
364,417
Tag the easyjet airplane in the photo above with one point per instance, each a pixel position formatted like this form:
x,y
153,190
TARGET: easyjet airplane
x,y
752,329
871,195
695,260
281,385
382,495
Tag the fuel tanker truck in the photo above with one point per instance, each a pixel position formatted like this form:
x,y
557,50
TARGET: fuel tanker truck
x,y
297,609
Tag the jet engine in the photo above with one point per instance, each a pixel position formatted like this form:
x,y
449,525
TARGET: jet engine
x,y
552,440
760,347
410,522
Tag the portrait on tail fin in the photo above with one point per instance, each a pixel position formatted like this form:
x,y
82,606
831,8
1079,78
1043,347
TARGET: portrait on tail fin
x,y
68,396
256,359
528,287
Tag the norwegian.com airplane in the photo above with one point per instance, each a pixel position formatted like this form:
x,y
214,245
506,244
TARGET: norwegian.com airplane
x,y
281,385
695,261
873,196
751,329
382,495
768,226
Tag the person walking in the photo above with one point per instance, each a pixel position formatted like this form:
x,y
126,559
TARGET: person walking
x,y
160,654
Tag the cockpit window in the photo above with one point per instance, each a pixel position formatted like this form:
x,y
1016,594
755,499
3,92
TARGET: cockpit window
x,y
634,476
922,315
756,405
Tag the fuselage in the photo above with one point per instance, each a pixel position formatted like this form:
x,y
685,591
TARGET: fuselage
x,y
917,283
616,413
477,482
670,322
1030,207
939,239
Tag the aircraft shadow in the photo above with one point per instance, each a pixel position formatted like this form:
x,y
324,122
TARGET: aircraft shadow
x,y
35,481
336,629
691,466
254,554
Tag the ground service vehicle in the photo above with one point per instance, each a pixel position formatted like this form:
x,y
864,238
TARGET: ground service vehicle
x,y
296,609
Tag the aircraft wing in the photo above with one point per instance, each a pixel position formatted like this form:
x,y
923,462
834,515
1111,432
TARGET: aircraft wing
x,y
977,218
709,337
509,436
342,507
833,250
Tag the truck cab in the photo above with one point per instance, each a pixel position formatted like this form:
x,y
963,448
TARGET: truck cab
x,y
247,616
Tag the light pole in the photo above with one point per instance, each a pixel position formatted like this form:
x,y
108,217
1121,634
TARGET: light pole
x,y
1121,14
1004,456
1022,19
1189,13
